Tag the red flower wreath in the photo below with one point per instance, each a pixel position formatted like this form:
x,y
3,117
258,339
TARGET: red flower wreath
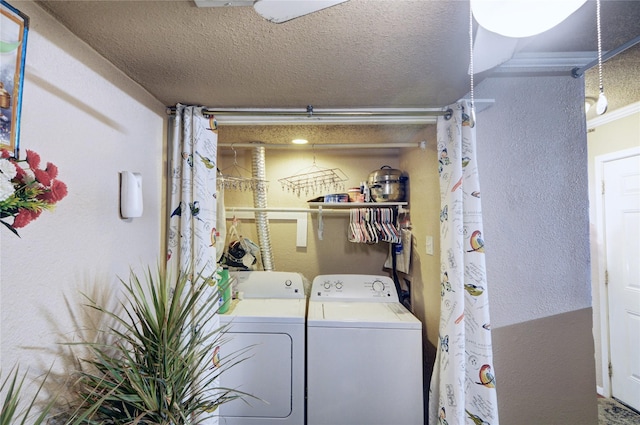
x,y
26,189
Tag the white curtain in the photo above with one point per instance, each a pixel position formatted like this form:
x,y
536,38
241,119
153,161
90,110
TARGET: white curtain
x,y
191,233
463,382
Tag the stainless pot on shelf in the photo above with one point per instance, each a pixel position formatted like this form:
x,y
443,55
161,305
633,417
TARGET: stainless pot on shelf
x,y
387,184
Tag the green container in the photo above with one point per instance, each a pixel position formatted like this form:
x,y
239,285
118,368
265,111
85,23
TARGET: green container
x,y
224,292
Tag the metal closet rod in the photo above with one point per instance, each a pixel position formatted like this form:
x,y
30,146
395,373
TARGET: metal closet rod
x,y
310,112
577,72
320,210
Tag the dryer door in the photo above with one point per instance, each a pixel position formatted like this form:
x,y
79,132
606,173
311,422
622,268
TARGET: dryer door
x,y
264,371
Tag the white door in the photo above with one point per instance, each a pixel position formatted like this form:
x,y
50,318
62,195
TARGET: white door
x,y
622,233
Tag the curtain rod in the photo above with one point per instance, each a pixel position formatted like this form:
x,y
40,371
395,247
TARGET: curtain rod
x,y
578,72
309,115
422,145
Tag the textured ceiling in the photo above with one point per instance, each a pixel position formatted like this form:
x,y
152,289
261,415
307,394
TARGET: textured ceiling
x,y
620,77
324,134
358,54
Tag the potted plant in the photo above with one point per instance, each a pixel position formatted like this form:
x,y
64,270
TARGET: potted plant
x,y
13,413
155,364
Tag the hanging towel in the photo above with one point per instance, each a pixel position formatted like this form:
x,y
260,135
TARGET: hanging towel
x,y
403,255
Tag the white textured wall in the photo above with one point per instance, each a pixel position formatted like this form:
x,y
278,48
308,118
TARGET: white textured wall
x,y
532,154
532,157
82,114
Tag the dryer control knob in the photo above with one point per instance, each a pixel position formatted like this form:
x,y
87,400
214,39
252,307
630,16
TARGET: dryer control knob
x,y
288,282
327,285
378,286
338,285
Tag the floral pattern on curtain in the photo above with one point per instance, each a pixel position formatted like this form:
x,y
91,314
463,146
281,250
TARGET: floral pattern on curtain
x,y
191,232
463,386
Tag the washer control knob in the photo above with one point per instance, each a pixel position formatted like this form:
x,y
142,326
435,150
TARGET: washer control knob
x,y
288,282
338,285
378,286
327,285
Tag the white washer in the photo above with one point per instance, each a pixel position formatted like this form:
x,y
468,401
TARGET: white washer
x,y
364,354
266,331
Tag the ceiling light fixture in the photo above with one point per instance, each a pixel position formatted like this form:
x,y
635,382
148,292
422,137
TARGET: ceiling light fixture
x,y
299,141
522,18
279,11
276,11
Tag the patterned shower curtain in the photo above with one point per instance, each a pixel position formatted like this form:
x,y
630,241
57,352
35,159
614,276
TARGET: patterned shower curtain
x,y
191,233
463,387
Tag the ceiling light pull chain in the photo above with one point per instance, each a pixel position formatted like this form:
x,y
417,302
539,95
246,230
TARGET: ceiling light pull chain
x,y
601,105
472,112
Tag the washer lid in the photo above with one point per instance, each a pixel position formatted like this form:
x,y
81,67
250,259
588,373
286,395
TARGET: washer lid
x,y
264,310
361,315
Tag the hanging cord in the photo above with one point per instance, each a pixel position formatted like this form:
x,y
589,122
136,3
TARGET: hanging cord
x,y
600,84
601,105
313,151
472,112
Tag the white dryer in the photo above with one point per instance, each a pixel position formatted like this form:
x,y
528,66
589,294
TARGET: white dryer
x,y
266,330
364,354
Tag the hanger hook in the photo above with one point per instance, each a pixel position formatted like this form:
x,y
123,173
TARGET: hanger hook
x,y
235,155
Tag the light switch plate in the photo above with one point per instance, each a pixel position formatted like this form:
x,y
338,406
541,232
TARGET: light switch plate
x,y
429,245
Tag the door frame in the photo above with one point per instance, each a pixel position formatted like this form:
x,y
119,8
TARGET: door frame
x,y
601,261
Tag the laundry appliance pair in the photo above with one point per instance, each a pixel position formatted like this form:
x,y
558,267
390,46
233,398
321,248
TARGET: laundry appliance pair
x,y
348,354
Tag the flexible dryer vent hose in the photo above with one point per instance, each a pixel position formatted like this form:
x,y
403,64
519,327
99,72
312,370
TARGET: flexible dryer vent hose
x,y
260,201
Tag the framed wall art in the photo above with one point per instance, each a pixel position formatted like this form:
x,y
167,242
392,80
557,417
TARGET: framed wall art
x,y
14,26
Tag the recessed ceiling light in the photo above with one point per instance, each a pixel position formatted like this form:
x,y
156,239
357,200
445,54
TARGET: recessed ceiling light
x,y
299,141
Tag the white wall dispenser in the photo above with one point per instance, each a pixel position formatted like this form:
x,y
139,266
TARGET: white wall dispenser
x,y
130,194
